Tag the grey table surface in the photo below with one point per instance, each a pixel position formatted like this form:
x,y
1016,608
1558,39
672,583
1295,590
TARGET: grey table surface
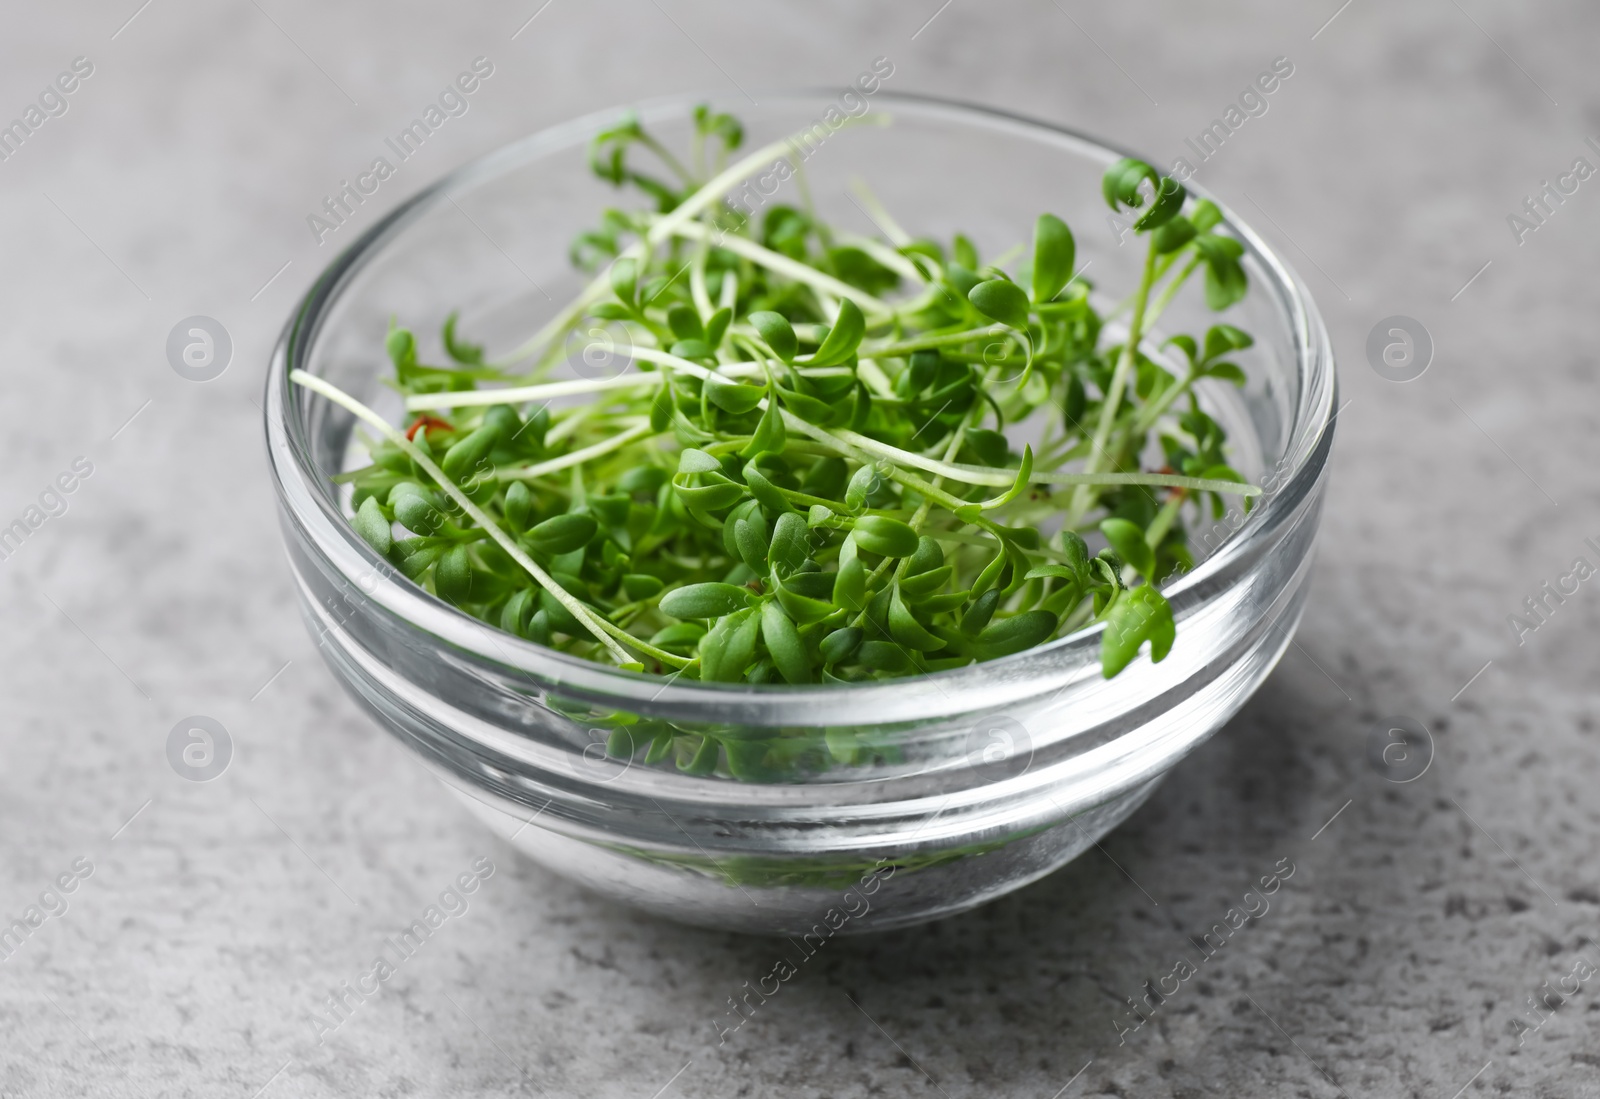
x,y
209,920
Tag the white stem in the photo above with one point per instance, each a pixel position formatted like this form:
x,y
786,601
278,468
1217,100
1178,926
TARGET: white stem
x,y
576,457
599,628
573,419
1158,480
697,284
839,439
970,476
783,265
880,214
877,381
523,394
423,402
686,211
981,475
887,256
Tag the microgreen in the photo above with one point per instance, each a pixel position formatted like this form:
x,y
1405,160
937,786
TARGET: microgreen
x,y
814,469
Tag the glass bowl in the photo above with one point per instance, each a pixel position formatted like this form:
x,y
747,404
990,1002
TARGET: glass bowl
x,y
981,779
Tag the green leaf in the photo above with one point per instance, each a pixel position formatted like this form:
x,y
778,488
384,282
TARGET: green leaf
x,y
809,409
843,338
741,645
862,482
1001,300
452,576
693,350
638,585
625,280
402,348
733,397
1205,215
539,627
505,422
841,644
778,333
963,252
929,556
1173,235
465,453
661,408
1055,572
764,490
1120,186
770,435
826,478
884,656
416,554
1077,400
1139,615
1185,344
678,637
660,746
752,544
748,509
850,585
467,354
990,576
685,322
643,479
1128,540
717,326
518,610
1014,634
961,279
932,606
783,642
1223,338
518,506
904,628
563,533
714,492
702,758
705,600
918,589
691,460
1227,372
1024,472
416,512
790,536
802,608
978,615
1076,551
884,536
1226,284
1054,252
991,447
714,646
373,527
922,368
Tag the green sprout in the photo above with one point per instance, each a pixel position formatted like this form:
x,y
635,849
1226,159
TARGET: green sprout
x,y
807,471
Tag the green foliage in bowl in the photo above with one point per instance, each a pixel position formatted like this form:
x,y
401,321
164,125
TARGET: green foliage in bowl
x,y
806,471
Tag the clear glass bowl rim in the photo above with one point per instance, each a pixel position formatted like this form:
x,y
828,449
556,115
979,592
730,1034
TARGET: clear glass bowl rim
x,y
305,494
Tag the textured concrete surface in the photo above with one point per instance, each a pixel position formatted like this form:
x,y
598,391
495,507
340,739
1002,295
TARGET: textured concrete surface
x,y
207,921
